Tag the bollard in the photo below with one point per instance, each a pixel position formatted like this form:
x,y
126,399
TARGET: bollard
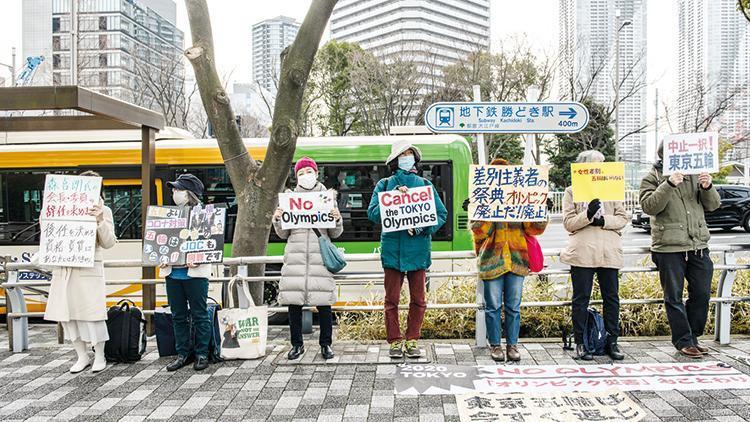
x,y
481,328
18,326
307,322
724,309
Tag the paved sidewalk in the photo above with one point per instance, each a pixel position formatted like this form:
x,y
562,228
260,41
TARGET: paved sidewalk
x,y
36,385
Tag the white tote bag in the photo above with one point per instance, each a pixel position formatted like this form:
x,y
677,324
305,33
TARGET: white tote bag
x,y
244,331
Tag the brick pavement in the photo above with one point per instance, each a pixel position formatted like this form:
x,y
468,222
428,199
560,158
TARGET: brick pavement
x,y
36,386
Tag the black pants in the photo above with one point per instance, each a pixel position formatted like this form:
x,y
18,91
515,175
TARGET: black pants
x,y
325,317
583,282
686,320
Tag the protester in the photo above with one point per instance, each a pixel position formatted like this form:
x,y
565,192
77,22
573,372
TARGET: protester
x,y
77,296
595,247
405,251
187,290
503,260
679,248
304,278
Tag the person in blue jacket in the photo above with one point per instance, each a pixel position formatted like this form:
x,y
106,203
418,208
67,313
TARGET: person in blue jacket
x,y
405,251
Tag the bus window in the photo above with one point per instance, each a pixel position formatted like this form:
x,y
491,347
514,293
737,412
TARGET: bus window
x,y
125,203
19,224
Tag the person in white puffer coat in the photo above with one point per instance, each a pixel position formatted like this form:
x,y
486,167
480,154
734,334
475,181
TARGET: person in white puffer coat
x,y
304,278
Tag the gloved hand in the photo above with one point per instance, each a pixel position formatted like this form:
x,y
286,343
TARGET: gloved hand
x,y
465,205
593,208
599,222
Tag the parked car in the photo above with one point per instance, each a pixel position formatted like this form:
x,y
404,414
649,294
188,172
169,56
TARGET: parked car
x,y
734,210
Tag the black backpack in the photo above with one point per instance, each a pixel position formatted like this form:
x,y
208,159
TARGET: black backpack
x,y
127,333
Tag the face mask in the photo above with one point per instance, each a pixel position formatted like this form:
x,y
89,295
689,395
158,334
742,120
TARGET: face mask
x,y
180,197
307,180
406,163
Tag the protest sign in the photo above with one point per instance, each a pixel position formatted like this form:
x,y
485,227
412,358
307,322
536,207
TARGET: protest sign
x,y
166,229
68,233
206,242
610,405
691,153
458,379
410,210
508,193
306,210
603,181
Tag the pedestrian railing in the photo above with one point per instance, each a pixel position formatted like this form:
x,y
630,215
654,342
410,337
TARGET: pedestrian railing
x,y
18,315
631,201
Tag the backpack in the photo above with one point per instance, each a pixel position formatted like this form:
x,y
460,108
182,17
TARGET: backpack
x,y
594,334
127,333
214,344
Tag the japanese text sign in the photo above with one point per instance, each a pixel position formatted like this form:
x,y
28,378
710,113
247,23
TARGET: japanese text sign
x,y
166,229
508,193
410,210
205,245
691,153
68,233
603,181
306,210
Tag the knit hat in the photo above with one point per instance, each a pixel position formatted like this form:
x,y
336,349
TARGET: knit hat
x,y
305,162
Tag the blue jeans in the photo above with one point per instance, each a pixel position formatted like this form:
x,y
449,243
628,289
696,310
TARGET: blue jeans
x,y
510,286
189,297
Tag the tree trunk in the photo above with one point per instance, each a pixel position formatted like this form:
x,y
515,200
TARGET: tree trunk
x,y
256,186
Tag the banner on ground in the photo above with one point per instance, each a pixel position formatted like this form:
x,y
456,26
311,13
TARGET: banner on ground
x,y
691,153
508,193
68,233
456,379
307,210
410,210
205,244
610,405
603,181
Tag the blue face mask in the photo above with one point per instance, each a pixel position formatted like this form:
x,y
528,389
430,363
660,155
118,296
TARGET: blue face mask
x,y
406,163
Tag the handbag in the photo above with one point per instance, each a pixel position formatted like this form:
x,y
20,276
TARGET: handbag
x,y
333,259
536,256
244,332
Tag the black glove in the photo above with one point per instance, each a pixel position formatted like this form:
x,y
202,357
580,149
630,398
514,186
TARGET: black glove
x,y
593,208
598,222
465,205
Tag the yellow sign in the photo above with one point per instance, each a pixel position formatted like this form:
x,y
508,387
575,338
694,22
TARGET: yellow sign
x,y
603,181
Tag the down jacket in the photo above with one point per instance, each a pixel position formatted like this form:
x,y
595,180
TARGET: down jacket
x,y
304,278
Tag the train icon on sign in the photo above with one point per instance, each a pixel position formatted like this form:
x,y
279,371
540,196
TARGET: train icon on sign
x,y
444,117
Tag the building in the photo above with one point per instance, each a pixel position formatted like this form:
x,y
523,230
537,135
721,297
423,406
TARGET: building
x,y
270,38
118,43
714,63
588,35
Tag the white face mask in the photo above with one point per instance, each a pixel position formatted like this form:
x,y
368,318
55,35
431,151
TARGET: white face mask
x,y
406,163
307,180
180,197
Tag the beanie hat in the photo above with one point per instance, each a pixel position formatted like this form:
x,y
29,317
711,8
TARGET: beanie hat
x,y
305,162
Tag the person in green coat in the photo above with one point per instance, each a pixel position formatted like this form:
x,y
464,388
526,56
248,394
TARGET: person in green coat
x,y
405,251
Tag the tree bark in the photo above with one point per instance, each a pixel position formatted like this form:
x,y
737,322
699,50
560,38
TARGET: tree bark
x,y
256,186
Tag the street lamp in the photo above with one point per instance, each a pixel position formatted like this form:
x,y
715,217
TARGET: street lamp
x,y
617,83
12,68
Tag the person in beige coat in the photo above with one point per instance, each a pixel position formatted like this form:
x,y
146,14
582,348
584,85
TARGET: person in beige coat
x,y
304,278
594,247
78,296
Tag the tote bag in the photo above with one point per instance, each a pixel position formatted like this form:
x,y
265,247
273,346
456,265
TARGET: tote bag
x,y
244,332
333,260
536,257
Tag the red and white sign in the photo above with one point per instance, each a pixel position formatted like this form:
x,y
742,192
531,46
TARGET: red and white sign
x,y
306,210
410,210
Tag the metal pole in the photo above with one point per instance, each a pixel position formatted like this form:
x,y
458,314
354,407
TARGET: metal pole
x,y
480,333
481,147
74,44
13,67
656,126
148,196
617,87
532,95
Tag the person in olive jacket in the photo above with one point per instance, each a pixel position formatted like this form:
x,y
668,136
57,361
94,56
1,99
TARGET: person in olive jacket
x,y
405,252
679,248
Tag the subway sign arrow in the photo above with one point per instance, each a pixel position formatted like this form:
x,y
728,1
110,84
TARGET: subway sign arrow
x,y
488,117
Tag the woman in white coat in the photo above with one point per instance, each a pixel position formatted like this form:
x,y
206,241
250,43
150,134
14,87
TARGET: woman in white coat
x,y
78,297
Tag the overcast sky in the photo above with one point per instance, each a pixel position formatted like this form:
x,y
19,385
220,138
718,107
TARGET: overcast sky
x,y
232,20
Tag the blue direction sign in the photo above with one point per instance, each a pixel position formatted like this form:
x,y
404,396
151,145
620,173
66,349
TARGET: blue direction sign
x,y
480,117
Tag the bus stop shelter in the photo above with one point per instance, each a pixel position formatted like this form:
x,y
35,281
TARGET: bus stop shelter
x,y
96,112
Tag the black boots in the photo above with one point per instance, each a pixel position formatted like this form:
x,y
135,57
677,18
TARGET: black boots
x,y
582,353
326,352
178,363
201,363
613,350
296,352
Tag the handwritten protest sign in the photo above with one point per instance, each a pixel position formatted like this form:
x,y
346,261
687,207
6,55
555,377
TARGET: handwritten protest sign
x,y
166,229
306,210
68,233
206,242
603,181
508,193
410,210
691,153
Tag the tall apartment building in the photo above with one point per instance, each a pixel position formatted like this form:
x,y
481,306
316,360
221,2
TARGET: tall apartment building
x,y
714,59
118,42
270,38
588,31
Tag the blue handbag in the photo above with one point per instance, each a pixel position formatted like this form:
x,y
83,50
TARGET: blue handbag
x,y
333,259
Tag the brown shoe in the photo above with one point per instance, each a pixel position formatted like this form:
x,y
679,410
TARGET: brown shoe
x,y
513,354
703,349
496,352
691,352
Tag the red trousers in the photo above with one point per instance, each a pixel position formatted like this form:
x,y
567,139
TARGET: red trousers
x,y
417,305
